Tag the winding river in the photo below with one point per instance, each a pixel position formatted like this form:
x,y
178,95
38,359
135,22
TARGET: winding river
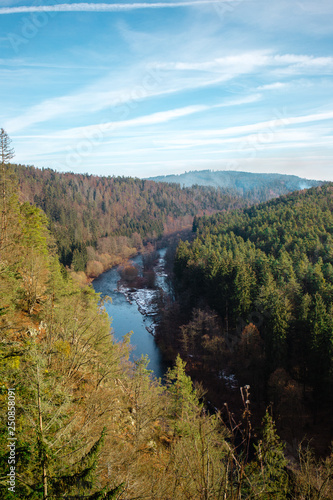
x,y
129,312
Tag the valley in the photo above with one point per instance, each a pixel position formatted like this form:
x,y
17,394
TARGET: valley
x,y
166,250
240,299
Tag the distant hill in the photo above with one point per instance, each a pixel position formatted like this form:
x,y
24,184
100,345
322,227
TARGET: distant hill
x,y
260,186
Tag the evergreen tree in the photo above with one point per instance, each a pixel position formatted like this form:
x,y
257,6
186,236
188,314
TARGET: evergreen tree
x,y
270,479
184,399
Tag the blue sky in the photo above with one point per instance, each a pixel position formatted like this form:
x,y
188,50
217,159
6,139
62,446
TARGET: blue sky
x,y
149,88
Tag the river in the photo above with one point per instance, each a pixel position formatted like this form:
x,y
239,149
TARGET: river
x,y
130,311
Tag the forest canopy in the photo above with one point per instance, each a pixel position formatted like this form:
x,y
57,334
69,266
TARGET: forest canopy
x,y
271,266
104,219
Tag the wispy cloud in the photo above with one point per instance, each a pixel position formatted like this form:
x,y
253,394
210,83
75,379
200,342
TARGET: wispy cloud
x,y
161,79
105,7
304,60
110,127
90,100
269,140
237,102
280,120
249,61
238,63
289,64
132,126
159,117
25,63
273,86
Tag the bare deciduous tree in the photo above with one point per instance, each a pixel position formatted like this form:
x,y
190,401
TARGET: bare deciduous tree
x,y
6,154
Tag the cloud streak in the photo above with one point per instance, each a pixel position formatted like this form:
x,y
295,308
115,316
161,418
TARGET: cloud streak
x,y
104,7
280,120
152,119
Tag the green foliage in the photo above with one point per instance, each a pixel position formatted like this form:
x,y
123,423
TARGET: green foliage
x,y
272,461
268,474
184,401
270,264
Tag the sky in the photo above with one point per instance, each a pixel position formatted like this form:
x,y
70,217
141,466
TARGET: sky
x,y
151,88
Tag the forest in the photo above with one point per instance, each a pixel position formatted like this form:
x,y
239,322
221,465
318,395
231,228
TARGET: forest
x,y
99,221
88,423
254,296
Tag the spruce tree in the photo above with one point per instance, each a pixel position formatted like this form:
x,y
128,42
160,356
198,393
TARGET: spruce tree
x,y
184,399
271,478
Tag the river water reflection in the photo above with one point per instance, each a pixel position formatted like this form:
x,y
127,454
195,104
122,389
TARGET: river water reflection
x,y
126,316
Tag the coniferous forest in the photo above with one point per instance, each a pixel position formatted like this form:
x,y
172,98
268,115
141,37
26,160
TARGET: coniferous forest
x,y
253,295
257,285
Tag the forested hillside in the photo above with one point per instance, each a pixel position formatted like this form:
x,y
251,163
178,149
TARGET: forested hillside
x,y
253,186
103,219
259,283
79,420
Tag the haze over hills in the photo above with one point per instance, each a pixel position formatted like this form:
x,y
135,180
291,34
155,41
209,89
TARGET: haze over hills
x,y
244,183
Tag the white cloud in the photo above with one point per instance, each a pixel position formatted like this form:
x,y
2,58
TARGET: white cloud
x,y
230,65
159,117
249,61
303,64
151,119
91,100
273,86
104,7
280,119
262,139
238,102
25,63
105,129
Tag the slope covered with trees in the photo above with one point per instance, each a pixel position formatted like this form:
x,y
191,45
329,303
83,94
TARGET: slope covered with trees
x,y
86,422
104,219
266,276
